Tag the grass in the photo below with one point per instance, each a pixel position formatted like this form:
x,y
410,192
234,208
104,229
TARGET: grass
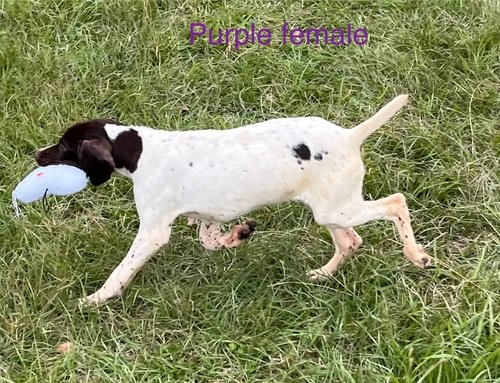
x,y
250,314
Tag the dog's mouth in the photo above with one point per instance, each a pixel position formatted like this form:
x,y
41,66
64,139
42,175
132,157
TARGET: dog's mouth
x,y
45,161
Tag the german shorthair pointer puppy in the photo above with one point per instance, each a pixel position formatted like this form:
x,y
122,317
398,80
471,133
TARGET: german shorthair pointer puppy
x,y
215,176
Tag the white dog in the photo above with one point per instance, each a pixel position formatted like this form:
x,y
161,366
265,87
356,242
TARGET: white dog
x,y
216,176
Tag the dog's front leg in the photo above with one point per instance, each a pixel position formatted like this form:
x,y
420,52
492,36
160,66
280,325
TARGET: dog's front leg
x,y
147,242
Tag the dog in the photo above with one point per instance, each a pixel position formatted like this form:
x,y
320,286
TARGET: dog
x,y
215,176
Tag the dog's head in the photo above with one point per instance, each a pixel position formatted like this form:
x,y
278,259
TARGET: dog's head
x,y
85,145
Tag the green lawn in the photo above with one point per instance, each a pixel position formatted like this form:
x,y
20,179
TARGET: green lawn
x,y
250,314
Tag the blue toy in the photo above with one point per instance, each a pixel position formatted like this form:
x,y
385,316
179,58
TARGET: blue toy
x,y
48,180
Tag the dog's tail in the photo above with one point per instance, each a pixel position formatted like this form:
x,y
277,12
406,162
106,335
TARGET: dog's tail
x,y
362,131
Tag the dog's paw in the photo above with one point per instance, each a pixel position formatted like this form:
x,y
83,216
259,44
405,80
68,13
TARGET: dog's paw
x,y
90,301
246,230
318,275
83,303
418,257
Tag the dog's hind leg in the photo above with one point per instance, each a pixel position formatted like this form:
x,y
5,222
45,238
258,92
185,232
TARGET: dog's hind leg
x,y
392,208
213,238
346,241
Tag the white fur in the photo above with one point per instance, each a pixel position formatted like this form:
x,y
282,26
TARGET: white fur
x,y
218,175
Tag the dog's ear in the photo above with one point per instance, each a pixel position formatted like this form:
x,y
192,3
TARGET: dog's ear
x,y
96,159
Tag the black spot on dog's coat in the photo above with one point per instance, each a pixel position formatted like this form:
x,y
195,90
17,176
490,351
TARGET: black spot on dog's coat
x,y
318,157
302,151
127,149
191,164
